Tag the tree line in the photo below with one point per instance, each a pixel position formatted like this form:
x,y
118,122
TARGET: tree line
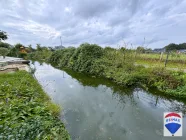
x,y
174,46
18,50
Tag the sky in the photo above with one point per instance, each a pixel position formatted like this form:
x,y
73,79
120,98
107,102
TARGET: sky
x,y
115,23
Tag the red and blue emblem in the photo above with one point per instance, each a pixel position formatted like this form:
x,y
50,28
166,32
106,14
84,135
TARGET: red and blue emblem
x,y
173,122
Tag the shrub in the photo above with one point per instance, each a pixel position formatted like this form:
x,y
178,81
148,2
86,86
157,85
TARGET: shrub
x,y
55,57
4,51
83,57
66,54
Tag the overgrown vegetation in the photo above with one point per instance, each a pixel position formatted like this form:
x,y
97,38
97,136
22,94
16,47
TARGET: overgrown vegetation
x,y
40,53
26,112
118,65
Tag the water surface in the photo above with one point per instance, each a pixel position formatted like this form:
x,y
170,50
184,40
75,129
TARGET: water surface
x,y
97,109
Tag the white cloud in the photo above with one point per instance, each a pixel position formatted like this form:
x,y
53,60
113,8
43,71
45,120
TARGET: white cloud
x,y
67,9
103,22
40,30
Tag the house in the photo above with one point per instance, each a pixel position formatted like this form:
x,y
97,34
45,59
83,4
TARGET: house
x,y
181,51
23,49
159,50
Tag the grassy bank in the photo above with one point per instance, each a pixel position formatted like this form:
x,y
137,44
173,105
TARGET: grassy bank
x,y
118,66
26,112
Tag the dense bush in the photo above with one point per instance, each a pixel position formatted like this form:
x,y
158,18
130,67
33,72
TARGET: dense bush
x,y
55,57
118,65
40,55
84,57
65,56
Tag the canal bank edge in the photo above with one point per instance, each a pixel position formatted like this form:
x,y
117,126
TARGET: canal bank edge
x,y
118,66
26,112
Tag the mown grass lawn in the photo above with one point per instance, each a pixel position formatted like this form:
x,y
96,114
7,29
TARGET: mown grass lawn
x,y
26,112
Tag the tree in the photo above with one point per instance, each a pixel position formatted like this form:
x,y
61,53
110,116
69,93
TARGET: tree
x,y
182,46
18,46
30,49
3,35
174,47
51,49
13,52
38,46
4,45
148,50
4,52
171,47
140,49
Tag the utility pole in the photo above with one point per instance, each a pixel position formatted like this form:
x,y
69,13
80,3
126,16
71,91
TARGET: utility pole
x,y
61,41
61,46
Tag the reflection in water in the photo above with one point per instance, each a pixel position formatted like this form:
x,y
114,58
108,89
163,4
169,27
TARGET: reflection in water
x,y
120,93
117,91
97,109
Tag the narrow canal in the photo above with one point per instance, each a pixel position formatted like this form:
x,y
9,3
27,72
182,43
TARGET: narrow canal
x,y
97,109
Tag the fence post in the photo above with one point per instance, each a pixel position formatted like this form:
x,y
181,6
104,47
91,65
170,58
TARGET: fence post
x,y
167,59
161,56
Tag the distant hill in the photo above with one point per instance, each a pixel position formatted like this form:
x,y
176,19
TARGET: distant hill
x,y
173,46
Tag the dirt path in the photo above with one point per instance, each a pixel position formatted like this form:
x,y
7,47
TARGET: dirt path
x,y
14,67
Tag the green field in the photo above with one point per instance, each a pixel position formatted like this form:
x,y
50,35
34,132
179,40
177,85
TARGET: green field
x,y
173,57
175,61
153,63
